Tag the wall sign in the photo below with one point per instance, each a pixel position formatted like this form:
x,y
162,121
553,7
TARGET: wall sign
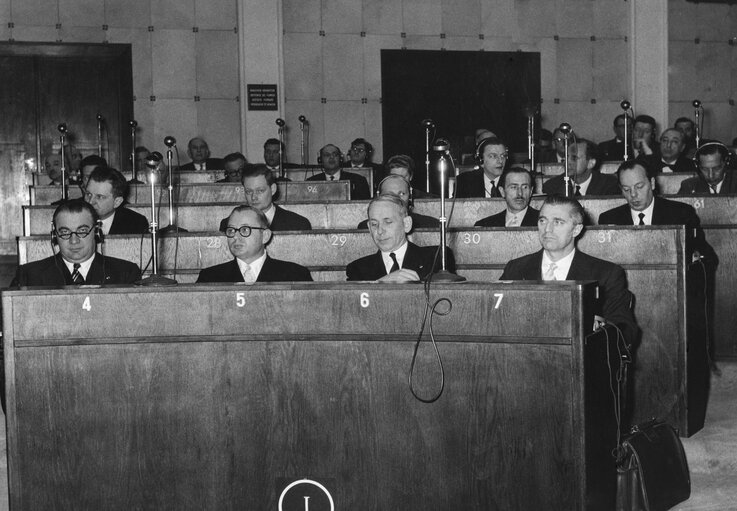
x,y
262,97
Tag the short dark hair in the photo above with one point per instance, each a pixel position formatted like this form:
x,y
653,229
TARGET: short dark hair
x,y
234,157
112,176
630,165
367,145
487,142
401,161
620,116
74,206
515,170
646,119
260,214
259,170
710,147
592,150
274,141
93,159
141,148
577,211
546,135
683,119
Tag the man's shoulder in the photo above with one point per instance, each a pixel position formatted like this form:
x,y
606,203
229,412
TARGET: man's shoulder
x,y
675,209
292,217
317,177
117,263
595,264
553,185
470,175
288,270
615,216
496,220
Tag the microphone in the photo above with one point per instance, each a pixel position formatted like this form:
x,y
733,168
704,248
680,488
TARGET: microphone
x,y
565,128
100,118
170,141
427,123
132,123
441,145
696,103
62,127
280,122
153,160
303,119
625,105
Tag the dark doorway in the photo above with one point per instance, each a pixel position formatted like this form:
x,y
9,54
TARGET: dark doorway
x,y
460,91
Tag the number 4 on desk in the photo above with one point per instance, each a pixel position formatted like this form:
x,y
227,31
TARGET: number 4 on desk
x,y
86,304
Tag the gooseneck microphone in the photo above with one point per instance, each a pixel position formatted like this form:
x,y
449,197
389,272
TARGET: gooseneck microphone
x,y
445,162
428,125
62,127
170,141
698,113
153,160
133,125
626,106
282,147
304,132
100,122
566,130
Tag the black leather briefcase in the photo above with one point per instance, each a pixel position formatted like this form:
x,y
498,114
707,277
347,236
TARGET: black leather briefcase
x,y
652,474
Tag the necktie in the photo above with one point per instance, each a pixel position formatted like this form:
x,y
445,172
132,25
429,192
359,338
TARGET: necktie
x,y
248,275
199,166
578,191
492,190
713,189
395,266
514,221
332,178
642,219
77,277
550,272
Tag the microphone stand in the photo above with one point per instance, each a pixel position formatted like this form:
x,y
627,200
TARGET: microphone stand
x,y
697,113
443,275
302,140
531,141
565,128
172,227
62,138
626,106
154,279
99,135
133,124
427,158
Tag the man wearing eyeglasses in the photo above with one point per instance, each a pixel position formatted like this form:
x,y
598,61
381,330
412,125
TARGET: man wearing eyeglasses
x,y
106,190
247,233
233,165
361,154
75,230
491,159
259,186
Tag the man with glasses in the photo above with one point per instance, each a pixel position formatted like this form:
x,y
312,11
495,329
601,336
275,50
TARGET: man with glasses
x,y
360,154
331,160
233,165
583,172
106,190
613,150
248,232
259,186
516,186
75,231
715,175
491,159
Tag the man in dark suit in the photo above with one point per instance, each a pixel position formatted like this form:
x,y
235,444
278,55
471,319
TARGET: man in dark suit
x,y
233,165
397,259
583,172
643,208
687,127
715,175
491,159
199,152
671,155
106,191
75,229
561,222
331,160
397,185
613,150
259,186
361,155
403,165
248,233
516,186
643,137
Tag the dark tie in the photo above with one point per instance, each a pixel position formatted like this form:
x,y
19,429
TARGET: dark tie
x,y
492,190
578,191
332,178
395,266
642,219
713,189
77,277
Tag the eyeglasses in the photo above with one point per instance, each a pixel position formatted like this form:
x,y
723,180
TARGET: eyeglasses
x,y
66,234
244,231
494,156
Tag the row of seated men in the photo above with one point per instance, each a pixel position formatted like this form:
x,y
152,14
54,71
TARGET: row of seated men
x,y
76,233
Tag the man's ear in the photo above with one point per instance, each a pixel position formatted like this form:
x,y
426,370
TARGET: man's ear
x,y
407,223
117,202
501,191
591,163
577,230
266,236
274,189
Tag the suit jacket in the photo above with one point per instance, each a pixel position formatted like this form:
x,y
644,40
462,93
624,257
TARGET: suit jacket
x,y
210,164
127,221
612,150
471,184
377,170
697,185
359,185
419,259
654,164
273,270
667,212
418,222
53,272
498,220
614,298
601,184
284,220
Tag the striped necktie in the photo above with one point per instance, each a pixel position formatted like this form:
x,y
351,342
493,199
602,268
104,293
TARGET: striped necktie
x,y
77,277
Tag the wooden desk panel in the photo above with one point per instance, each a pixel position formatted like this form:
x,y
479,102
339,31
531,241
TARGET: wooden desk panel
x,y
198,412
724,240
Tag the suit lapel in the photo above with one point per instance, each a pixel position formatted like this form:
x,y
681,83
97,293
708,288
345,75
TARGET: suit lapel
x,y
265,270
96,275
234,272
574,272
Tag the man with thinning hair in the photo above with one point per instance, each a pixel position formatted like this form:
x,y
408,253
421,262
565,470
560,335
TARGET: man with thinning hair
x,y
394,184
199,151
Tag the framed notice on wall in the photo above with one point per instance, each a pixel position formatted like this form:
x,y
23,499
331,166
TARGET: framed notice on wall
x,y
262,97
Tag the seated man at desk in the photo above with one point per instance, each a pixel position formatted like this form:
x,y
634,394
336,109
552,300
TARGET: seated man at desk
x,y
199,151
397,260
106,191
671,158
516,186
360,156
491,159
233,165
715,173
399,186
248,233
75,229
331,160
583,172
561,222
259,185
403,165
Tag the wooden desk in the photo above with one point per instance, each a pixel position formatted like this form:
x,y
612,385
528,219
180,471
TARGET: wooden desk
x,y
669,183
294,191
653,257
198,403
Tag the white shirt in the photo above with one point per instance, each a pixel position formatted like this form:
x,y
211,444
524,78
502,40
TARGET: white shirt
x,y
648,211
514,219
487,184
398,253
582,187
107,223
563,265
200,166
84,267
336,176
270,213
718,188
255,266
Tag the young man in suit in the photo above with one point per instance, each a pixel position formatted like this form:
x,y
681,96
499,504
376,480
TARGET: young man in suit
x,y
106,191
583,172
259,185
397,259
248,233
331,160
75,230
394,184
199,152
516,186
714,176
613,150
361,154
491,159
560,223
